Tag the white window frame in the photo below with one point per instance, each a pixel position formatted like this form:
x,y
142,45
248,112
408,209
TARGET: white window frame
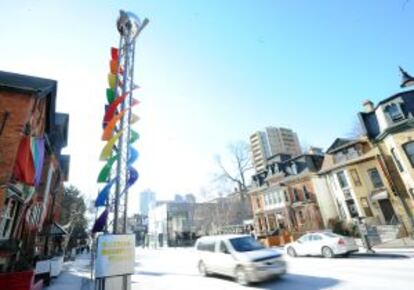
x,y
8,214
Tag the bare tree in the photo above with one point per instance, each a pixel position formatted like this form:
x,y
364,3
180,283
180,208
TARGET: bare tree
x,y
238,163
356,131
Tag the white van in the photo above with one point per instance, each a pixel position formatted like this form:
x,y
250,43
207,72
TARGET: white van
x,y
238,256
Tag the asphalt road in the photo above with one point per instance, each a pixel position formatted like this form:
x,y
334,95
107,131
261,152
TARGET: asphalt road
x,y
170,269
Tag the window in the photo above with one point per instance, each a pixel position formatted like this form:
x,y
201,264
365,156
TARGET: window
x,y
396,160
305,238
301,217
355,177
316,238
295,195
342,179
223,248
394,112
207,246
306,193
246,244
7,218
409,150
279,198
375,178
352,208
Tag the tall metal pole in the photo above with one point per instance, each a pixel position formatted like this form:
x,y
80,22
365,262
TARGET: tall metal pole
x,y
129,27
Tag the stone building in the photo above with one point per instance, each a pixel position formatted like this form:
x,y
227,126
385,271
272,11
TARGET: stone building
x,y
390,127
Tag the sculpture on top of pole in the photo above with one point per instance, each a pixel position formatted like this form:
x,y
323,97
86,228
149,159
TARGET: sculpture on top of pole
x,y
117,123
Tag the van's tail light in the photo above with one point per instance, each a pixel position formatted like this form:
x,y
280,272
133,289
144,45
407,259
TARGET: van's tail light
x,y
341,242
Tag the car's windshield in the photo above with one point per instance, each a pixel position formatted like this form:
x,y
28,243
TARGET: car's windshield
x,y
245,244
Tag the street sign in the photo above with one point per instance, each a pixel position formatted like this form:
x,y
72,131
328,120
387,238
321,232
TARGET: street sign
x,y
115,255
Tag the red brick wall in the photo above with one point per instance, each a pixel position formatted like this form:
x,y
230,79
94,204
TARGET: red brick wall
x,y
19,107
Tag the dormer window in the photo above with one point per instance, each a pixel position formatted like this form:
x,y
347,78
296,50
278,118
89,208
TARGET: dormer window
x,y
394,112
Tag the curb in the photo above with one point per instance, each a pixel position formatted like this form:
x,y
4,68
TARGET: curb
x,y
380,255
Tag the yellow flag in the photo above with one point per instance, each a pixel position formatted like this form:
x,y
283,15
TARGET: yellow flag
x,y
107,150
112,81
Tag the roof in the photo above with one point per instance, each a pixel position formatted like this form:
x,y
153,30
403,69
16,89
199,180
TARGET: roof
x,y
400,94
36,86
339,143
56,230
329,165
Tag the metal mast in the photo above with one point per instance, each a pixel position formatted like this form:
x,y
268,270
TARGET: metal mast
x,y
129,27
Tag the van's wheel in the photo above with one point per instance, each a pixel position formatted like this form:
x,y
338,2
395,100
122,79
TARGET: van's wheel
x,y
241,276
327,252
202,269
291,252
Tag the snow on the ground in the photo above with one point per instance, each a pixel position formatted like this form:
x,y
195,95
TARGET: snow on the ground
x,y
74,276
176,269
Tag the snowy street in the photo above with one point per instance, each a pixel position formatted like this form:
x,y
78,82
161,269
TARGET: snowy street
x,y
169,269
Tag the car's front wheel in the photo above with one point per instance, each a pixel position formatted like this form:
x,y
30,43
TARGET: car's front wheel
x,y
291,252
241,276
202,269
327,252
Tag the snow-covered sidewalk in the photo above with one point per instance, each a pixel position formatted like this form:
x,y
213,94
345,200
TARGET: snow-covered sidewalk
x,y
75,275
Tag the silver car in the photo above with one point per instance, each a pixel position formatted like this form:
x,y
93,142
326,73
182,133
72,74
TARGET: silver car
x,y
238,256
326,244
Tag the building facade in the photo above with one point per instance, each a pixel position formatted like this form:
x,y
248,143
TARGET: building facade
x,y
146,201
390,127
284,197
32,168
173,223
272,141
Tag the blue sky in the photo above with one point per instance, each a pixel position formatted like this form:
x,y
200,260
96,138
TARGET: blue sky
x,y
211,72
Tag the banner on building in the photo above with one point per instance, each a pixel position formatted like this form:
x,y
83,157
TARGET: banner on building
x,y
115,255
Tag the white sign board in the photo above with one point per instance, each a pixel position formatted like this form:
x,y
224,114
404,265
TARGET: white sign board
x,y
115,255
42,267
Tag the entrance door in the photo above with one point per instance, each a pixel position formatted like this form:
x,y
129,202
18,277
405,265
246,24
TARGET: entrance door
x,y
386,209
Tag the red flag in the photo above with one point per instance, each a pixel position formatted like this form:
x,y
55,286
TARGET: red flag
x,y
112,108
114,53
24,169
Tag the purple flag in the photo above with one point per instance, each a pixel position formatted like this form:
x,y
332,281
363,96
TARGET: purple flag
x,y
38,153
100,222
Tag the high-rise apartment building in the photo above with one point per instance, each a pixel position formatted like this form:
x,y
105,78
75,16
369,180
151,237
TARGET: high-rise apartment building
x,y
146,201
265,144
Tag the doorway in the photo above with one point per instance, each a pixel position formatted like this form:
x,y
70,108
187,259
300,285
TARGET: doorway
x,y
387,210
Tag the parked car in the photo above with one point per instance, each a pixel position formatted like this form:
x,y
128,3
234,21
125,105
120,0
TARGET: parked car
x,y
326,244
238,256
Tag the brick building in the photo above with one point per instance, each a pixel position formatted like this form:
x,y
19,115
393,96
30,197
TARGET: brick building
x,y
32,168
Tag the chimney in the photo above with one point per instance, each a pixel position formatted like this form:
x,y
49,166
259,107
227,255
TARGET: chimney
x,y
368,106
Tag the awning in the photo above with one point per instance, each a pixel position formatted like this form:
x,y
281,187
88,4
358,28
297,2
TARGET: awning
x,y
379,195
57,230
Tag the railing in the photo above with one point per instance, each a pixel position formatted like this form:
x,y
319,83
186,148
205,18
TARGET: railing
x,y
394,220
